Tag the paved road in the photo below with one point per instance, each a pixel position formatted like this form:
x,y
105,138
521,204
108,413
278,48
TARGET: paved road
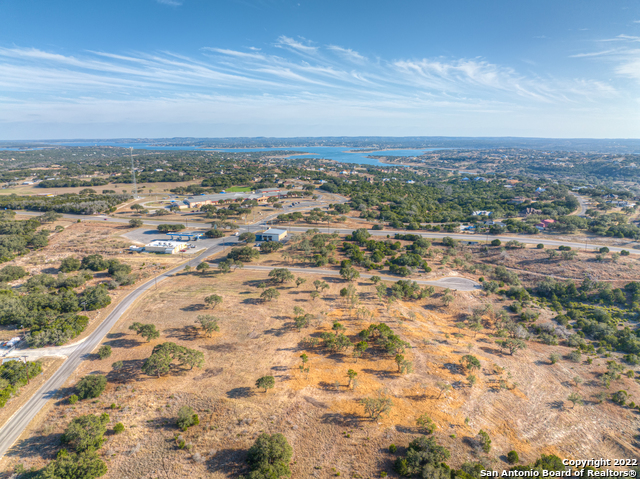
x,y
591,244
21,419
583,205
528,239
451,282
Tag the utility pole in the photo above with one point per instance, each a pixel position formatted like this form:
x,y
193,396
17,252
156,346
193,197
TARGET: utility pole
x,y
133,172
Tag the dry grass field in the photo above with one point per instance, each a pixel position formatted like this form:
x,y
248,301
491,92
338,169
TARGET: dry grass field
x,y
520,400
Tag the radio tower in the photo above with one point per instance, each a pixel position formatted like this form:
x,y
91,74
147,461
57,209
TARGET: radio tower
x,y
133,172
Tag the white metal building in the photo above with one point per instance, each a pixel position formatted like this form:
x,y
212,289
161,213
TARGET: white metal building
x,y
166,247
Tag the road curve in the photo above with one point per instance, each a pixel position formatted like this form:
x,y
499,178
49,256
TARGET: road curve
x,y
14,427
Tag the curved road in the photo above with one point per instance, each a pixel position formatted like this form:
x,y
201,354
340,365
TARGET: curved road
x,y
14,427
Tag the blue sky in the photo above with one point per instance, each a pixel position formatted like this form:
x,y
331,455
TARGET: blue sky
x,y
165,68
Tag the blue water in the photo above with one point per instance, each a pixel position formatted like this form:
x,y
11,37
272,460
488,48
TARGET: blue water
x,y
20,149
337,153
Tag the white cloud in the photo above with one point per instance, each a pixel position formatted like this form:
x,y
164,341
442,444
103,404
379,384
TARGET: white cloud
x,y
347,53
296,83
290,43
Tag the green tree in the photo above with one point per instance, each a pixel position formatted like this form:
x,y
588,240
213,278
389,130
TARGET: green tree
x,y
209,324
190,357
269,457
470,362
512,345
300,281
513,458
247,237
213,300
225,266
266,382
94,262
359,349
135,222
91,386
349,273
49,217
377,405
70,264
245,254
399,360
320,285
269,294
104,352
96,297
202,268
147,331
281,275
575,398
117,365
351,374
157,365
86,433
425,424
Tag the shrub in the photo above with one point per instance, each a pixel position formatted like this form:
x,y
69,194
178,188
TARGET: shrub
x,y
393,448
11,273
70,264
94,262
91,386
540,246
554,358
73,399
575,356
512,457
85,433
484,441
620,397
118,428
496,242
86,465
426,425
187,417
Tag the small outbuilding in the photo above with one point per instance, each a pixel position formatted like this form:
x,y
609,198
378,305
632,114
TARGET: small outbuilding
x,y
272,235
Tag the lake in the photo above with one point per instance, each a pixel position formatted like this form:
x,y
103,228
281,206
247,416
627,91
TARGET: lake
x,y
336,153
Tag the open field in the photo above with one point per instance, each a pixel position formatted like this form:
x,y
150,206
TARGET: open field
x,y
515,400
